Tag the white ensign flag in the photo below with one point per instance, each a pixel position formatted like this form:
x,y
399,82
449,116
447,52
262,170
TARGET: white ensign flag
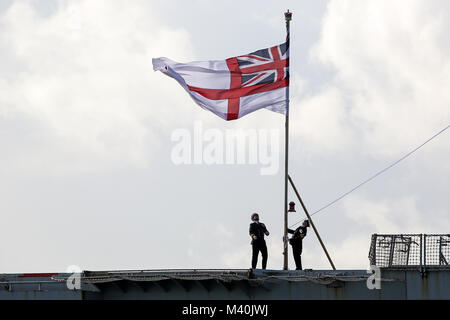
x,y
236,86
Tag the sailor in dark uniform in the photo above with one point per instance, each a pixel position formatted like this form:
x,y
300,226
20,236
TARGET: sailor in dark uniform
x,y
297,243
257,232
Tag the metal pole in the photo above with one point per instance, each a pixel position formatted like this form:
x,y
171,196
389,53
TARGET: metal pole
x,y
421,244
312,224
424,250
288,18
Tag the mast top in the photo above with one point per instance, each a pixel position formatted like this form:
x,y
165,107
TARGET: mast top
x,y
288,16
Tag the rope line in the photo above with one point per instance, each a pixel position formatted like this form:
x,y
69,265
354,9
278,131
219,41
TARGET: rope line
x,y
375,175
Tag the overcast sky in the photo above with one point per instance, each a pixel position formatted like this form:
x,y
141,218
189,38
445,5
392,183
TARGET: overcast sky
x,y
86,175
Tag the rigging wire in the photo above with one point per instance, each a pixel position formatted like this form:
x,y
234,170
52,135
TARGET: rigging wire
x,y
375,175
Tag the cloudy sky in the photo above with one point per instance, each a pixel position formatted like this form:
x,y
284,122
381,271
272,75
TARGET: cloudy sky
x,y
86,174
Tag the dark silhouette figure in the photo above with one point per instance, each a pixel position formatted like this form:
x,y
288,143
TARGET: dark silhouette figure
x,y
257,232
296,242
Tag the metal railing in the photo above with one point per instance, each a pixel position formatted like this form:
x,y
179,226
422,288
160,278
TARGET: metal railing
x,y
410,250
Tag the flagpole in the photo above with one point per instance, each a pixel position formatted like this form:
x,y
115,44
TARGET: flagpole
x,y
288,18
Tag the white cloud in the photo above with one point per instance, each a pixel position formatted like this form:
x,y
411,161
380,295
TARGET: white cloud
x,y
323,121
83,76
391,65
382,216
349,253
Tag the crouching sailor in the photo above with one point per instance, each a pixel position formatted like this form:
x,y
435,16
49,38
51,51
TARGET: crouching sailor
x,y
296,241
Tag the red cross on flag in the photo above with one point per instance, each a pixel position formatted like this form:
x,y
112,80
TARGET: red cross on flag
x,y
236,86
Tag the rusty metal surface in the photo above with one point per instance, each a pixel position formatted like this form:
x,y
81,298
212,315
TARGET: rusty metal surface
x,y
240,284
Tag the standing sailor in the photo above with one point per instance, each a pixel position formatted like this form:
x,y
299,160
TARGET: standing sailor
x,y
296,242
257,232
